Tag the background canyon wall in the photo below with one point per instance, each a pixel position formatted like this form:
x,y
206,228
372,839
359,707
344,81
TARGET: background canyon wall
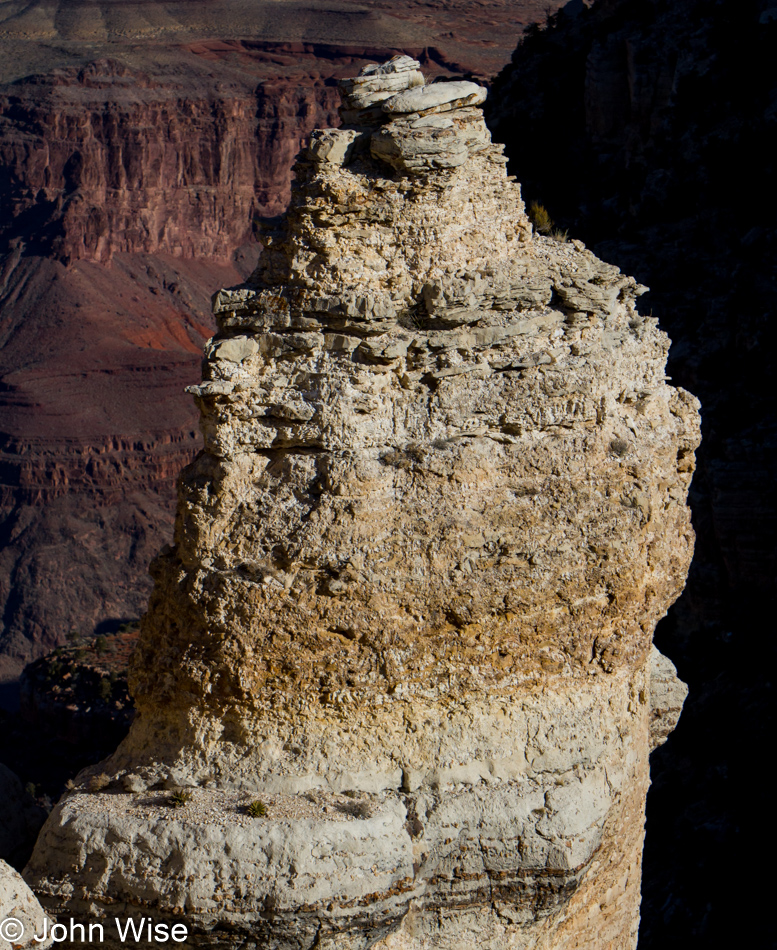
x,y
637,118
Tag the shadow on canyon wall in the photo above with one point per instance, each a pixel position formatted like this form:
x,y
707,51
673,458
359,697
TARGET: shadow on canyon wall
x,y
644,128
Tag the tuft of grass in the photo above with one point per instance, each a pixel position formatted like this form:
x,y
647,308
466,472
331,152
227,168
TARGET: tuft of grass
x,y
257,809
98,782
357,809
561,236
404,458
539,217
179,798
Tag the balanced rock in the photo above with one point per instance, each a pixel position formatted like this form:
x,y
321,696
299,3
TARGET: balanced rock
x,y
439,97
397,661
363,94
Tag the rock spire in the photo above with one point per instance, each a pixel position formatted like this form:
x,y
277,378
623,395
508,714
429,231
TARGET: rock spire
x,y
417,567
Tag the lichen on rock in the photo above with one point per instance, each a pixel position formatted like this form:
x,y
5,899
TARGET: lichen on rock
x,y
440,508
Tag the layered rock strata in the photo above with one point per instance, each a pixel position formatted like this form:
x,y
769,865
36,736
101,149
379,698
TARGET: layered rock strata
x,y
416,573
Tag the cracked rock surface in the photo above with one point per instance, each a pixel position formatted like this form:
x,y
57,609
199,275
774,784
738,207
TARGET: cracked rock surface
x,y
440,509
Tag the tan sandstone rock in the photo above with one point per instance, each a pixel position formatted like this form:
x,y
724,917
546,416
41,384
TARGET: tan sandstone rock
x,y
416,573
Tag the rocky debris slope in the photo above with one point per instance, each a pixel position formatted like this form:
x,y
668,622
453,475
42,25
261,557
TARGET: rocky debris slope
x,y
440,509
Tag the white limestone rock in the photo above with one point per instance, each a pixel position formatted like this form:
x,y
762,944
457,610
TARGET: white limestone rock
x,y
21,915
423,144
333,146
667,697
377,82
439,509
439,97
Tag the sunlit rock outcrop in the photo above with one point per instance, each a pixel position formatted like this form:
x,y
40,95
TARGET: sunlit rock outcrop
x,y
416,573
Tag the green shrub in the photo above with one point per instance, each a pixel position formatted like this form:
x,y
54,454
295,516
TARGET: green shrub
x,y
257,809
179,798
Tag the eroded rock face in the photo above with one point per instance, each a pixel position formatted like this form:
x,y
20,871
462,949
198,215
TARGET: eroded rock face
x,y
440,509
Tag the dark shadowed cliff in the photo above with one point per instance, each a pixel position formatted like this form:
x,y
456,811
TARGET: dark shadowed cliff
x,y
647,129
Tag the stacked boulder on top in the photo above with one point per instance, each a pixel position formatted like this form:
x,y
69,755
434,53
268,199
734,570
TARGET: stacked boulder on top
x,y
363,95
411,126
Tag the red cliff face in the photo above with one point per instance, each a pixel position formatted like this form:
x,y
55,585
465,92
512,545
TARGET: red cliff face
x,y
87,466
106,160
126,199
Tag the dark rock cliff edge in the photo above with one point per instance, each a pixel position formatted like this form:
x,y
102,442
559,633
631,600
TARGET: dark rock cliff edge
x,y
640,119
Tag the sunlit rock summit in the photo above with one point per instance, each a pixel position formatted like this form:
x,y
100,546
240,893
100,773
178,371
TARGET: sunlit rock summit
x,y
416,573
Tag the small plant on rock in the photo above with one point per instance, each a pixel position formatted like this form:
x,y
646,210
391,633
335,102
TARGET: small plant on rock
x,y
179,798
357,809
539,217
619,447
98,782
257,809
